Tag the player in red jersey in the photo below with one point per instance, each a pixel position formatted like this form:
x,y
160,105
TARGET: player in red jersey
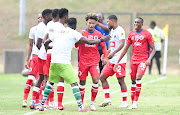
x,y
89,58
141,57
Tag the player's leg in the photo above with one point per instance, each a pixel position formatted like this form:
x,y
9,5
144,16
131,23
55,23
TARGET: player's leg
x,y
60,93
95,73
68,75
31,76
82,74
36,88
140,72
54,77
120,74
107,71
158,63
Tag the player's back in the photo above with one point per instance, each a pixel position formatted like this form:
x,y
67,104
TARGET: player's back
x,y
89,54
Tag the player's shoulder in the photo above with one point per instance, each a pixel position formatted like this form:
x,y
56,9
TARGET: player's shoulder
x,y
119,28
50,23
146,32
33,28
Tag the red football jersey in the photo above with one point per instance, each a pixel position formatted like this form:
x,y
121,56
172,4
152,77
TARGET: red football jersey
x,y
140,42
89,54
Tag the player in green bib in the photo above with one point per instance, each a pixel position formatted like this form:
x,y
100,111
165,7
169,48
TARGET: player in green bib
x,y
64,40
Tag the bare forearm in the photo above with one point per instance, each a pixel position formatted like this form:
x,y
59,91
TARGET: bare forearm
x,y
29,53
152,54
123,53
46,44
104,27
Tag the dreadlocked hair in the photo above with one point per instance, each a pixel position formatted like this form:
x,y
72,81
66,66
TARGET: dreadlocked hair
x,y
92,16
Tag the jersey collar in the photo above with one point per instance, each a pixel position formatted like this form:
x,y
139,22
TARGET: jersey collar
x,y
90,32
139,32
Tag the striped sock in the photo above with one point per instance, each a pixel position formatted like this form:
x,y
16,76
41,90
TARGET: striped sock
x,y
94,91
138,89
77,95
124,96
82,91
106,93
60,93
27,86
133,89
46,93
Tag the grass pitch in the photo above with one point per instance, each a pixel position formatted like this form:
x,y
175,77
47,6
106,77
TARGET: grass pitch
x,y
157,97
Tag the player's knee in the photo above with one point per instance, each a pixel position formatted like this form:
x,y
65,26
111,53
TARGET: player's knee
x,y
133,80
82,82
121,81
103,78
96,81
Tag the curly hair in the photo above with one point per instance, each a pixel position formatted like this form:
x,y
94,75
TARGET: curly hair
x,y
91,16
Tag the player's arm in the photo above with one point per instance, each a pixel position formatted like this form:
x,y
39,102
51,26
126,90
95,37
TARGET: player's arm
x,y
153,51
122,42
103,26
94,41
121,56
105,53
29,53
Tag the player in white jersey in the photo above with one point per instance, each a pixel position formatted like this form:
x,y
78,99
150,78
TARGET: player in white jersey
x,y
63,17
64,41
41,31
31,63
116,46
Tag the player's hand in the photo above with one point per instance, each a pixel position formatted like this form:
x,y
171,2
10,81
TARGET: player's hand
x,y
102,56
115,67
83,32
148,63
106,38
110,55
27,64
104,61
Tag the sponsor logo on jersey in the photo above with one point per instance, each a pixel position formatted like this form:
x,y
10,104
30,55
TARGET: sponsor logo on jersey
x,y
137,43
90,36
95,37
137,37
112,43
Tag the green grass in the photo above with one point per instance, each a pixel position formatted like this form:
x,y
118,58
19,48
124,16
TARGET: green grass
x,y
162,97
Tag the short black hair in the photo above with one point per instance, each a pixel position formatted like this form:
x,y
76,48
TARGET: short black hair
x,y
153,23
72,21
140,19
55,12
113,17
63,12
45,12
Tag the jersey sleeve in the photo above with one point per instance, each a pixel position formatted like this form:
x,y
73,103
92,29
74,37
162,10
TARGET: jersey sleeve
x,y
32,33
129,41
122,34
77,35
150,40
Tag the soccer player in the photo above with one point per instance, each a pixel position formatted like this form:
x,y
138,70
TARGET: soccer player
x,y
103,28
89,59
64,41
63,17
50,31
116,46
41,31
32,63
141,57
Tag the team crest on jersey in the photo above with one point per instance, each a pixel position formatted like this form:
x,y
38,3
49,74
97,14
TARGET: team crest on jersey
x,y
115,36
79,73
30,69
122,34
90,36
141,37
95,37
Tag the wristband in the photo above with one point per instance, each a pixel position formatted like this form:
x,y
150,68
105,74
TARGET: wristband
x,y
102,40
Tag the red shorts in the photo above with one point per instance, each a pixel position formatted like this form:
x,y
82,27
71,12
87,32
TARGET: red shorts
x,y
41,64
33,66
120,71
139,68
47,65
83,71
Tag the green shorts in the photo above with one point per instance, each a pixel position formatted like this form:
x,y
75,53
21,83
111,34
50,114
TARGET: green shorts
x,y
65,71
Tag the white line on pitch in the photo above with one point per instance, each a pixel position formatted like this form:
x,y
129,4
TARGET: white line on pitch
x,y
113,92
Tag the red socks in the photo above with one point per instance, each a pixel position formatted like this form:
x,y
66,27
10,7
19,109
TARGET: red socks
x,y
60,93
